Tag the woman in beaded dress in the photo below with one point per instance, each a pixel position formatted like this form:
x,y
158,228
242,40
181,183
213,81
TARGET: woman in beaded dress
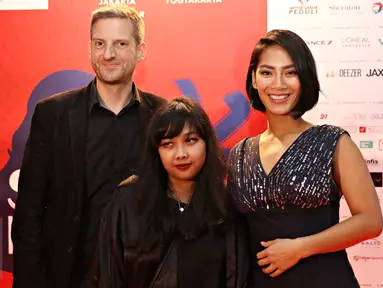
x,y
169,227
287,182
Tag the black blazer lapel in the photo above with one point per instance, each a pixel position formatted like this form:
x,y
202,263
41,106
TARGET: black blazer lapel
x,y
146,113
78,118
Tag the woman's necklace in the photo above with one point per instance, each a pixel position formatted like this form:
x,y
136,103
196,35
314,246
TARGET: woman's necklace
x,y
180,208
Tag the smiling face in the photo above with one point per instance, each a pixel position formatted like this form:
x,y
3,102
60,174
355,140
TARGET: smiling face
x,y
114,51
183,156
277,81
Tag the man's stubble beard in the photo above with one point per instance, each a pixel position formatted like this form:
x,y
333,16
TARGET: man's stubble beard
x,y
123,79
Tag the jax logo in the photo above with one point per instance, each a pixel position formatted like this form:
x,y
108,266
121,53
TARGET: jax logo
x,y
377,7
225,127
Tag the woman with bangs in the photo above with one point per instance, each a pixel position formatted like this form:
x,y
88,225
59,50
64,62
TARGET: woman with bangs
x,y
170,227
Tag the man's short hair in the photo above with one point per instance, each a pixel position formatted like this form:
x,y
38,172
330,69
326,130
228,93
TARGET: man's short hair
x,y
122,12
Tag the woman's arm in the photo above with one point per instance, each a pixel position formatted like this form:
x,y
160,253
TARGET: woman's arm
x,y
353,178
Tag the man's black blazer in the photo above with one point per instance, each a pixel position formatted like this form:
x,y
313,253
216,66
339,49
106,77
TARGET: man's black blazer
x,y
46,222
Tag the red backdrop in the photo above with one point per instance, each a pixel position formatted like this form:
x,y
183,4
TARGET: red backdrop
x,y
201,49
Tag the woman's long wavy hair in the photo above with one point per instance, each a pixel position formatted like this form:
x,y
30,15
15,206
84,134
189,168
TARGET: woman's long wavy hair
x,y
207,207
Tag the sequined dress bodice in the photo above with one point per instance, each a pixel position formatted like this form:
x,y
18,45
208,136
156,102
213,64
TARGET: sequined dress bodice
x,y
297,198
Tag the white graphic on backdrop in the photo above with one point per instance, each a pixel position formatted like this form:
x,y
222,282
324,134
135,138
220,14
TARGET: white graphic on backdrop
x,y
194,1
23,4
117,2
346,40
120,2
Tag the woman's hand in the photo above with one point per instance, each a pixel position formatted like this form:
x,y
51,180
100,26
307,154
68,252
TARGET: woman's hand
x,y
280,255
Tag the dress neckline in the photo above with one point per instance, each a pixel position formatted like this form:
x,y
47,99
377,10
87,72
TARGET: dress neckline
x,y
286,152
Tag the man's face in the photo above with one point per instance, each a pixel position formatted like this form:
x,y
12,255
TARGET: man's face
x,y
114,51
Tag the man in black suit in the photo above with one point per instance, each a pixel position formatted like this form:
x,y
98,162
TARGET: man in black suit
x,y
81,145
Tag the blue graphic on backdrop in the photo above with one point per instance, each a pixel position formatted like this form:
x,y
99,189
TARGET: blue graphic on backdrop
x,y
72,79
228,125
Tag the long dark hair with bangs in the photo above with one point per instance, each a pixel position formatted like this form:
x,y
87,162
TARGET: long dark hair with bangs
x,y
207,207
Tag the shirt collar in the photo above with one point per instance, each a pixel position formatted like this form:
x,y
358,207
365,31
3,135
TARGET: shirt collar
x,y
96,99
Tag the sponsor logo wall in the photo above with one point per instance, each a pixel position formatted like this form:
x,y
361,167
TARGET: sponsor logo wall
x,y
47,53
346,39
